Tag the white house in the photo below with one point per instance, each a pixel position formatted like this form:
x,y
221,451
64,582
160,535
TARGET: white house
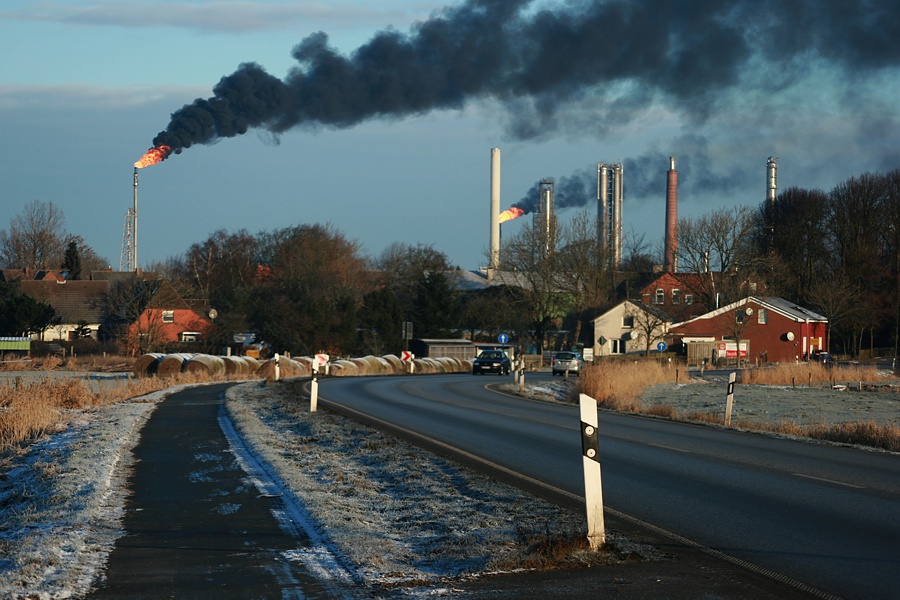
x,y
625,329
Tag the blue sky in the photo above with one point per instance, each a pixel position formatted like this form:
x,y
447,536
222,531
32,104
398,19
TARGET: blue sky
x,y
85,86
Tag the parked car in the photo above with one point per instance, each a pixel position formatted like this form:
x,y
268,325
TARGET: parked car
x,y
820,356
566,361
491,361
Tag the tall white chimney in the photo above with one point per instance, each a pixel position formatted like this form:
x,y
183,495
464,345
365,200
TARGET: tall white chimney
x,y
495,213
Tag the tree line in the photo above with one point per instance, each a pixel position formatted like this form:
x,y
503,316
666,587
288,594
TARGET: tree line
x,y
307,288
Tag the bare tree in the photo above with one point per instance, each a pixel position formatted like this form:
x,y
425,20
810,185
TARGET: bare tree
x,y
36,238
649,325
528,266
583,269
719,246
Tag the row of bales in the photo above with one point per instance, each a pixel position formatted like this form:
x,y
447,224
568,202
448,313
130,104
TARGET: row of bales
x,y
163,365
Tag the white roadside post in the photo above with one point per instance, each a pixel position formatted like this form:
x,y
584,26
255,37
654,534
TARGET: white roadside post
x,y
277,368
593,491
522,374
729,399
318,361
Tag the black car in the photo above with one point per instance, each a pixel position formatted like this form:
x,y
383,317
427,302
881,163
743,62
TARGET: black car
x,y
491,361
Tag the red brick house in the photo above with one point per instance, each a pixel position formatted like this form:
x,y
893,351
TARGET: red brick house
x,y
679,295
774,330
168,318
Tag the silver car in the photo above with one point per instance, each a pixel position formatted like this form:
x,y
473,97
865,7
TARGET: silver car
x,y
566,361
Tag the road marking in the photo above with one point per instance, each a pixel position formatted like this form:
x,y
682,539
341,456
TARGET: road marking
x,y
670,448
850,485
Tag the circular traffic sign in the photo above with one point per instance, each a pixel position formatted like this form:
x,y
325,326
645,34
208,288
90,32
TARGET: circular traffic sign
x,y
502,338
661,346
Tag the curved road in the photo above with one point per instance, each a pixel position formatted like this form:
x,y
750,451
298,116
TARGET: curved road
x,y
823,515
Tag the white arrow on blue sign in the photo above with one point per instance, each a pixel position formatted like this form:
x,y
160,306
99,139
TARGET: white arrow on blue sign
x,y
502,338
661,346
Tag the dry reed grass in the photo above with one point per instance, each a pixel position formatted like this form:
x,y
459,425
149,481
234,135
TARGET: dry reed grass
x,y
619,385
809,373
30,409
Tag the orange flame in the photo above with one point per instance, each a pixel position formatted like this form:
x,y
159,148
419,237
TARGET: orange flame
x,y
153,156
511,213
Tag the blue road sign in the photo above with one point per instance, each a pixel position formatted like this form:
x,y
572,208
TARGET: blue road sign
x,y
661,346
502,338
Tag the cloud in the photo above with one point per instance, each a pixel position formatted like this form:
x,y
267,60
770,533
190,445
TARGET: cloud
x,y
211,16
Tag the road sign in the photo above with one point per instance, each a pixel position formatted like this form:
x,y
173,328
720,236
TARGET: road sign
x,y
502,338
407,356
320,360
661,346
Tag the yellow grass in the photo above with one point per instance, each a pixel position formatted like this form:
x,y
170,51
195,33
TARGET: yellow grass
x,y
619,385
804,374
31,409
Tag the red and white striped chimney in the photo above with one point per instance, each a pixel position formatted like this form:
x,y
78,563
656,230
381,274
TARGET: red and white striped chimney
x,y
671,249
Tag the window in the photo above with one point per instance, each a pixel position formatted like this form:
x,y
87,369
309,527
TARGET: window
x,y
628,321
618,346
688,298
740,316
660,296
762,316
168,316
676,296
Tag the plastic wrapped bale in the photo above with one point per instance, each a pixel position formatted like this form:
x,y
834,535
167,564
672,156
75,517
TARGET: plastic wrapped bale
x,y
448,364
344,368
171,364
287,367
145,365
372,365
306,363
252,363
397,365
423,366
234,365
205,364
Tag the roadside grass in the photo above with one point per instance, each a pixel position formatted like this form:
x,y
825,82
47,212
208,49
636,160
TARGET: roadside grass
x,y
619,386
810,373
30,409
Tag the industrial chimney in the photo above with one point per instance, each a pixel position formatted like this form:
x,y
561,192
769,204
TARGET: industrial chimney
x,y
495,214
609,210
671,249
771,179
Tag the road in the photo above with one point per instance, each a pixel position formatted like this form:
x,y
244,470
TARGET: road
x,y
823,516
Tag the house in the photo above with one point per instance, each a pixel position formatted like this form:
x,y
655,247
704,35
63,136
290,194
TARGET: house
x,y
77,303
167,318
757,329
684,296
629,327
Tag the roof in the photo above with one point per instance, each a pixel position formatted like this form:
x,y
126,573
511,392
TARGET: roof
x,y
73,301
786,308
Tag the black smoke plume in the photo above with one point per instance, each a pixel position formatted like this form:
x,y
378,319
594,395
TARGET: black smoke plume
x,y
608,57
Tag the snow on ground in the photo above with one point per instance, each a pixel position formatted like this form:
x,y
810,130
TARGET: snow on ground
x,y
62,501
378,510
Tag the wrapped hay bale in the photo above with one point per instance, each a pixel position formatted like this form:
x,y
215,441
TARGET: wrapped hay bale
x,y
235,365
146,364
204,364
171,364
287,367
396,364
372,365
251,362
344,368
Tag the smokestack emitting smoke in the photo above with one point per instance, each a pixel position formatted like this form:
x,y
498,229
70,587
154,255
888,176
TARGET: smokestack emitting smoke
x,y
508,51
671,242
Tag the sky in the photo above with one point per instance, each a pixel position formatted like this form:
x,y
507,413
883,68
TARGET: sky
x,y
378,120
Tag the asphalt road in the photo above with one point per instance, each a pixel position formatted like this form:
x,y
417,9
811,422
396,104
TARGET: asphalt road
x,y
196,525
822,517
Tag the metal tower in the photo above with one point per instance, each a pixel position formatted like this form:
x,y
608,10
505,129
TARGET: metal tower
x,y
128,259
